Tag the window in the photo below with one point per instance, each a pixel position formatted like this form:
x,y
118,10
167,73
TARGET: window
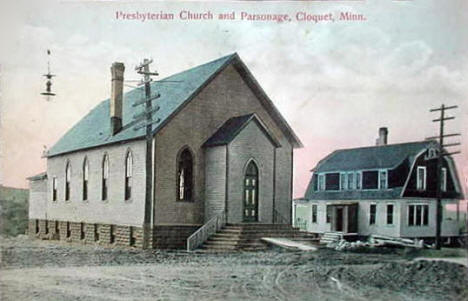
x,y
358,180
421,178
343,181
443,179
251,186
54,188
383,179
328,214
314,213
85,179
128,176
351,181
67,181
332,181
389,214
321,182
370,179
372,213
105,177
184,176
418,215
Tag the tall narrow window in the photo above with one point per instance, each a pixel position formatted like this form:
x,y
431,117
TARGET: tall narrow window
x,y
105,177
251,186
314,213
321,182
54,188
67,181
351,181
421,178
343,181
383,176
128,176
328,214
358,180
372,214
389,214
85,179
443,179
184,176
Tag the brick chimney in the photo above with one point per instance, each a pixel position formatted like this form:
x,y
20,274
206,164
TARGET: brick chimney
x,y
117,71
383,135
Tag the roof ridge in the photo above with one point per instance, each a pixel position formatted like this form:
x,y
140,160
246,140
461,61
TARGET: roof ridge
x,y
384,146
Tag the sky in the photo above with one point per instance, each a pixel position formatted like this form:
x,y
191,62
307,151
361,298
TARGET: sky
x,y
335,83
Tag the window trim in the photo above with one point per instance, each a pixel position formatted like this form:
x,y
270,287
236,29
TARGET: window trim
x,y
386,179
321,176
358,187
128,178
68,175
105,171
343,181
424,183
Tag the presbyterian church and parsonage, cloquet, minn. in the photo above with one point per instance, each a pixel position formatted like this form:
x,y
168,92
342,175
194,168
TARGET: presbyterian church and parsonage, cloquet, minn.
x,y
222,158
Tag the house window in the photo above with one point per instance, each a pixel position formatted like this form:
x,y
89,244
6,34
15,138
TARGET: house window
x,y
418,215
358,180
372,214
67,181
332,181
314,213
105,177
443,179
128,176
54,188
383,179
184,176
370,179
351,183
321,182
328,214
343,181
421,178
389,214
85,179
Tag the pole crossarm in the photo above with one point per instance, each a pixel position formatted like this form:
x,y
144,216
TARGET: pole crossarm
x,y
451,144
452,153
442,108
143,114
447,135
144,100
446,118
136,128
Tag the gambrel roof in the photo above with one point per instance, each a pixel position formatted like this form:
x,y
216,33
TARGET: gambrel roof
x,y
373,157
176,91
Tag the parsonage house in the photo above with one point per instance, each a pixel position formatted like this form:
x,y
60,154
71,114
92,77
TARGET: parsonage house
x,y
387,189
220,151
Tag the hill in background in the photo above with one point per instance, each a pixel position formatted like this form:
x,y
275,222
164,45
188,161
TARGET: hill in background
x,y
13,210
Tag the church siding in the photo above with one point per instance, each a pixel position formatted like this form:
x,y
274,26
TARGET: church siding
x,y
37,199
114,210
226,96
215,186
251,144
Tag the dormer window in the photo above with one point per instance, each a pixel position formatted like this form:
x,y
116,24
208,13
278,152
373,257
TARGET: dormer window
x,y
358,180
351,183
343,181
383,179
321,182
421,178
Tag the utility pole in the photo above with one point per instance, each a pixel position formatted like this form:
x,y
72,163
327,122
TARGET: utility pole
x,y
441,154
147,117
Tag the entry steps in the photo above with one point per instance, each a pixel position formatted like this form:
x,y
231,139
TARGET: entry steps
x,y
329,237
247,237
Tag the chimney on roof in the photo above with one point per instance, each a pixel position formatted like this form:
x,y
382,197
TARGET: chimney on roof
x,y
383,135
117,71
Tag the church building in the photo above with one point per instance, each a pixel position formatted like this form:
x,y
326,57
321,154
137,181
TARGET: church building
x,y
219,148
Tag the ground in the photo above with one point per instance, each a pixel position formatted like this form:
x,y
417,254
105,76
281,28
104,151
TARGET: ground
x,y
43,270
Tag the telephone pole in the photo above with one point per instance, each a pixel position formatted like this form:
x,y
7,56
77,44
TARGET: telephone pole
x,y
440,156
147,117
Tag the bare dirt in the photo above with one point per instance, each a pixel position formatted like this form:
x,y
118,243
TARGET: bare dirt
x,y
42,270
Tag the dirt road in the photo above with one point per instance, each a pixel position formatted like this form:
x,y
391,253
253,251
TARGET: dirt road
x,y
35,270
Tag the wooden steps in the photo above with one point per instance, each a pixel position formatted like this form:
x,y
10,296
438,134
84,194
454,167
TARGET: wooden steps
x,y
246,237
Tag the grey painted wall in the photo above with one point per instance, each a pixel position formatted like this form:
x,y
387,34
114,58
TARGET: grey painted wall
x,y
250,144
215,181
38,199
115,210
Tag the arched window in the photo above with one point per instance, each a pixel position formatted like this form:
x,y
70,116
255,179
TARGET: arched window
x,y
184,176
105,176
251,193
67,181
128,176
85,179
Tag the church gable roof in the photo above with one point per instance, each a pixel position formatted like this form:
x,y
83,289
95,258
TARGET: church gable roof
x,y
232,127
176,91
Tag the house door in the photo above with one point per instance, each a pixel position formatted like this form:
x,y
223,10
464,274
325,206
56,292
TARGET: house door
x,y
250,212
339,219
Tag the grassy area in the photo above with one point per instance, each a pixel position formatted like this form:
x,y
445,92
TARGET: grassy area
x,y
13,211
432,253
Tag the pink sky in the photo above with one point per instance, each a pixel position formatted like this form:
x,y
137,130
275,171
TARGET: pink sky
x,y
336,84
